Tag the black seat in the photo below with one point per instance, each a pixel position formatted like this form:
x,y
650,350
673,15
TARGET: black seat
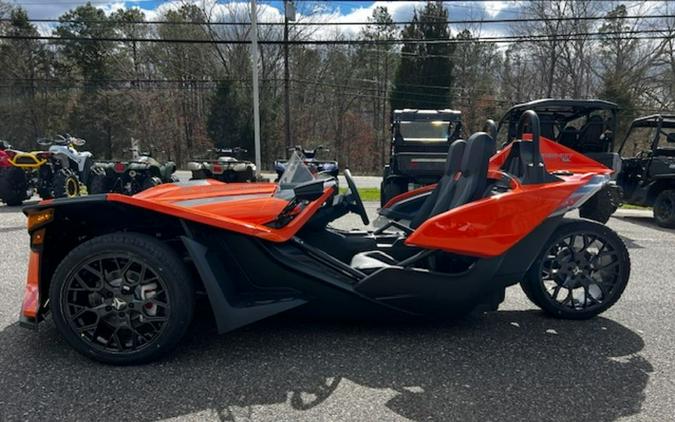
x,y
569,137
452,166
474,169
590,135
453,191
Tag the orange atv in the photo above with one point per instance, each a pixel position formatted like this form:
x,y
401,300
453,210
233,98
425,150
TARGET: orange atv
x,y
120,275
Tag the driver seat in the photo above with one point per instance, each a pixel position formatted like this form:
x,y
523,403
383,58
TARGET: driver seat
x,y
468,185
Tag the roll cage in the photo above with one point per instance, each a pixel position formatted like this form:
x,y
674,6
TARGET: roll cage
x,y
596,133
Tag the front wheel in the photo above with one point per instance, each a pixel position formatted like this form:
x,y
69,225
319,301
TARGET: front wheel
x,y
664,209
122,298
582,271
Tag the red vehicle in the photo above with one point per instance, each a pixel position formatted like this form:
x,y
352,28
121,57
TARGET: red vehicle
x,y
121,274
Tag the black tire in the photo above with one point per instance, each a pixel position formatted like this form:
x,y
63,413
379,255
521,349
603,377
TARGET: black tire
x,y
599,207
601,280
66,184
391,188
151,182
198,175
664,209
13,186
99,183
163,268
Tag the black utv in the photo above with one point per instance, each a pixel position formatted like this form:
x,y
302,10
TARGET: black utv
x,y
586,126
419,146
648,174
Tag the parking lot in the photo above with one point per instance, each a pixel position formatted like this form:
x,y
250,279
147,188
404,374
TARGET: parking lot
x,y
510,365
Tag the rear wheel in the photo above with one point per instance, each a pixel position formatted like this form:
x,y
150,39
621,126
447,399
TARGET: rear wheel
x,y
151,182
13,186
66,184
664,209
582,271
122,298
390,188
599,207
99,184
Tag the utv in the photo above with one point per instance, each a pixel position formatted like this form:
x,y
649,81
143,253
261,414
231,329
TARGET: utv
x,y
227,167
586,126
329,167
130,177
419,146
648,174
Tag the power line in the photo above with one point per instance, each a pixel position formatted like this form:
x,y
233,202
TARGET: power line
x,y
396,23
500,39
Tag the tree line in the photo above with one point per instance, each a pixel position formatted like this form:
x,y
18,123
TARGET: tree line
x,y
179,99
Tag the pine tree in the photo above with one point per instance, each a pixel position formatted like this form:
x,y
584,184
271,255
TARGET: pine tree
x,y
424,76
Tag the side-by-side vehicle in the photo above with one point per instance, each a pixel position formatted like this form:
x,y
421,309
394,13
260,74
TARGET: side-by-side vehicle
x,y
122,290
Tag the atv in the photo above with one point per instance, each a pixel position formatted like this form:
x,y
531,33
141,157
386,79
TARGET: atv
x,y
121,274
228,167
419,144
585,126
19,174
66,172
648,174
130,177
309,156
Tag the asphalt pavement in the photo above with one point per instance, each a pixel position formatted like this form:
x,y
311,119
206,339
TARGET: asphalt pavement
x,y
512,365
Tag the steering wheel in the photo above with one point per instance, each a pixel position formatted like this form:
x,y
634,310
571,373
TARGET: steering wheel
x,y
357,204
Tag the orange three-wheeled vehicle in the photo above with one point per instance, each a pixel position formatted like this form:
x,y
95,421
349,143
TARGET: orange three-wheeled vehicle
x,y
120,274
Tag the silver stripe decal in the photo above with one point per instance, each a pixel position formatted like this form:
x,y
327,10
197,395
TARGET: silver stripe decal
x,y
216,199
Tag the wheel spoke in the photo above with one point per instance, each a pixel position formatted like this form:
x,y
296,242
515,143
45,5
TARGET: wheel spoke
x,y
108,315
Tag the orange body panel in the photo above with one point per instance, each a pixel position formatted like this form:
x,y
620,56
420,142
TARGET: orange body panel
x,y
236,213
556,158
207,188
31,294
489,227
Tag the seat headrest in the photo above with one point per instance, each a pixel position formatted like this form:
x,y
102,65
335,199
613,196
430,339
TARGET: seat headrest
x,y
455,154
480,147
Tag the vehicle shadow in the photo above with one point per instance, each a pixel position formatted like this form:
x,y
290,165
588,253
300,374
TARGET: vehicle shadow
x,y
4,208
647,222
506,366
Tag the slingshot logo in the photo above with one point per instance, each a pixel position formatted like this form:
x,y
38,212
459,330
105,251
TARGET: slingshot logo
x,y
562,156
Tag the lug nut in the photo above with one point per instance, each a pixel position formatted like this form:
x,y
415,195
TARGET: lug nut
x,y
121,314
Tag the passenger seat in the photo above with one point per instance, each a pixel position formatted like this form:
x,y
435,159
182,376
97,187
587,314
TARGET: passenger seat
x,y
470,185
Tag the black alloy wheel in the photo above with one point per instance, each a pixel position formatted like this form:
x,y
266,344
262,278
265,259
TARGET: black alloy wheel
x,y
581,272
122,298
664,209
116,303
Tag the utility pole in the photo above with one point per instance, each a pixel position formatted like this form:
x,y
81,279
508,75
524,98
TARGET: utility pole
x,y
289,15
256,96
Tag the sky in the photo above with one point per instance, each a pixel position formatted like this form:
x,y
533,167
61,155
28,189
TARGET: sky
x,y
322,11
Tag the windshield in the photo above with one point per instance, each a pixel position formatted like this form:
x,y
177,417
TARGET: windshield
x,y
296,173
427,131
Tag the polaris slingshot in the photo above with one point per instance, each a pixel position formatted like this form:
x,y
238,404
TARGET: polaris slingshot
x,y
119,274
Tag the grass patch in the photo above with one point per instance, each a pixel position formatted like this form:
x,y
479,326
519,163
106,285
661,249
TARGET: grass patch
x,y
367,194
